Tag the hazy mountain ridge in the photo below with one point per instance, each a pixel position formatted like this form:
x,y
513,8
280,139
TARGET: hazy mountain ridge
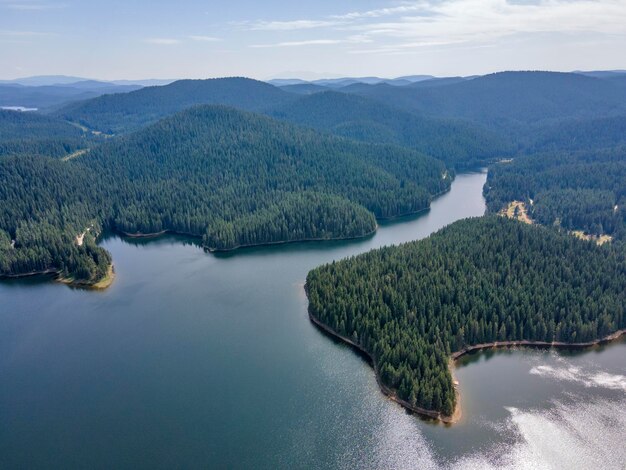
x,y
50,96
343,114
126,112
455,142
508,99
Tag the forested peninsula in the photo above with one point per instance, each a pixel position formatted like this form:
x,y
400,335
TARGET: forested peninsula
x,y
231,177
410,308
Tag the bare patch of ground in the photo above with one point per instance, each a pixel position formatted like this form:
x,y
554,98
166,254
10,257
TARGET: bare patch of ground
x,y
76,154
517,210
599,239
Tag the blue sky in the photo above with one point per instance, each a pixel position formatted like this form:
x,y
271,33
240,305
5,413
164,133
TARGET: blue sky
x,y
262,39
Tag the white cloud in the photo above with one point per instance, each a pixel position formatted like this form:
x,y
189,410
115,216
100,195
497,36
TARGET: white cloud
x,y
484,20
417,7
22,34
436,23
332,20
204,38
312,42
29,6
355,39
162,41
294,25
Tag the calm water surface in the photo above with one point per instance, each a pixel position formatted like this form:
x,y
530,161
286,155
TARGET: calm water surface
x,y
194,360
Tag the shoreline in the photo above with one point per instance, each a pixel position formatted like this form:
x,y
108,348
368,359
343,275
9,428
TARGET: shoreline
x,y
150,235
395,218
420,211
108,279
388,392
238,247
537,344
287,242
43,272
280,242
457,414
102,284
399,217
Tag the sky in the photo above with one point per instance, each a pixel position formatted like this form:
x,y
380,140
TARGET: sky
x,y
140,39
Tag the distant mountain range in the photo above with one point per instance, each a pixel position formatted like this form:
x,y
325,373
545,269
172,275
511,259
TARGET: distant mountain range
x,y
347,115
298,85
51,96
345,81
602,73
50,92
57,80
507,100
49,80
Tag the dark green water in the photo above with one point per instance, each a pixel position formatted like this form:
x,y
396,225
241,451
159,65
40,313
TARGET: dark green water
x,y
194,360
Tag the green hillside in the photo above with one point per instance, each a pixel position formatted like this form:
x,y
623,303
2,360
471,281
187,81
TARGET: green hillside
x,y
230,177
28,133
510,100
459,144
122,113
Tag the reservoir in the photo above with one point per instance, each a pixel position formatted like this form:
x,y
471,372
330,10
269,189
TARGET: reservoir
x,y
196,360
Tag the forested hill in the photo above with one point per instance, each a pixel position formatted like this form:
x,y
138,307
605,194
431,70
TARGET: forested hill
x,y
583,190
476,281
231,177
226,166
459,144
577,134
28,133
508,100
122,113
517,103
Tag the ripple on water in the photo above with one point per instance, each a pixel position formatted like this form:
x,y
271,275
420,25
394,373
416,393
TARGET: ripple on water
x,y
576,430
567,436
570,373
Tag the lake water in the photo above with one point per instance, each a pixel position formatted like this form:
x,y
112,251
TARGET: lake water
x,y
196,360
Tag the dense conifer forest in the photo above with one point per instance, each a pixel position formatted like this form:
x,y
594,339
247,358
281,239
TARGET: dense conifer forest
x,y
576,190
46,205
476,281
577,134
28,133
230,177
459,144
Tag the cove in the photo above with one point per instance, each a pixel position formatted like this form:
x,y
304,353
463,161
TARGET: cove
x,y
193,359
